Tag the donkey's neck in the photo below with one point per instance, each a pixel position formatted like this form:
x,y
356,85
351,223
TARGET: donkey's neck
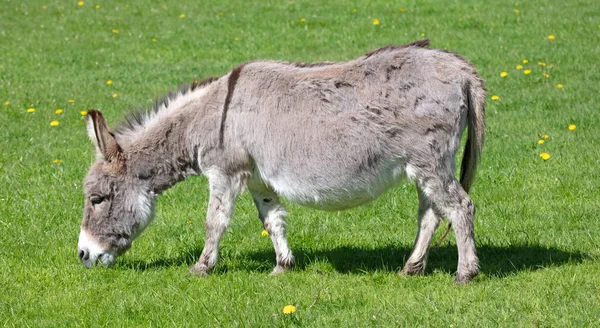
x,y
161,149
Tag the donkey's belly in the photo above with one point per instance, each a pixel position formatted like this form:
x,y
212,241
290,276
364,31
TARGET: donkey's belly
x,y
339,192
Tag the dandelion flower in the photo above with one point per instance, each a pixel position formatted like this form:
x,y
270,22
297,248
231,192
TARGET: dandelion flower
x,y
303,20
154,40
541,142
236,39
6,103
31,110
572,127
519,67
115,95
115,31
57,161
546,136
551,37
401,10
189,222
542,64
559,86
220,13
503,74
109,82
516,11
422,34
354,10
375,21
182,16
289,309
58,111
546,75
71,100
44,7
525,61
527,71
81,3
97,6
54,123
545,156
264,233
83,113
494,97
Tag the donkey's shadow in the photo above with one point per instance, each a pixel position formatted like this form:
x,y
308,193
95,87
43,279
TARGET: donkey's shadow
x,y
499,261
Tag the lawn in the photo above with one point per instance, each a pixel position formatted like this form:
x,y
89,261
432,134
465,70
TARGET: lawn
x,y
537,218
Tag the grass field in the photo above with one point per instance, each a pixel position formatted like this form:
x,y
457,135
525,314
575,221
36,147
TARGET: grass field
x,y
536,224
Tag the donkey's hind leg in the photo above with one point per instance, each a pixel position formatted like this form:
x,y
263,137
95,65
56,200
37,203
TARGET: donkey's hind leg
x,y
450,199
428,223
272,214
224,190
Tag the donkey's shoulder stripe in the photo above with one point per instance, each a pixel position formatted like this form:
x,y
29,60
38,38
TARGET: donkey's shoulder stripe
x,y
233,78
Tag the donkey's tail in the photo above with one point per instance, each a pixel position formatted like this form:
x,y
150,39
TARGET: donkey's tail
x,y
475,92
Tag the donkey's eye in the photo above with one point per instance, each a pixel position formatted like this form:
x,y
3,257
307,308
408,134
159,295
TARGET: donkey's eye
x,y
96,199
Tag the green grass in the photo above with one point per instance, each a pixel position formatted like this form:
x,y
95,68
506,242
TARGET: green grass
x,y
536,224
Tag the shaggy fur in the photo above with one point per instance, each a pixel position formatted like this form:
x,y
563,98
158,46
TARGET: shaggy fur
x,y
327,135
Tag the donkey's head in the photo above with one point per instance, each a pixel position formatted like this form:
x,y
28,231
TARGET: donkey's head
x,y
117,206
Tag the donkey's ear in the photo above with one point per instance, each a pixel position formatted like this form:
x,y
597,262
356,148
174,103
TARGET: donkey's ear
x,y
107,147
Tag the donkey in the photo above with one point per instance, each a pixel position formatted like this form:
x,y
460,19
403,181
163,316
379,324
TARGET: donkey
x,y
325,135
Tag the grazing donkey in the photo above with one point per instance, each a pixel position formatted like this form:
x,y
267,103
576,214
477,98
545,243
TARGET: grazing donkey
x,y
326,135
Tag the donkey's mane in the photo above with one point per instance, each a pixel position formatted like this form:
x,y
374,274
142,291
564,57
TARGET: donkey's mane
x,y
137,118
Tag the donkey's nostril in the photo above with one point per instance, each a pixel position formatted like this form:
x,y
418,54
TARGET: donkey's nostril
x,y
84,255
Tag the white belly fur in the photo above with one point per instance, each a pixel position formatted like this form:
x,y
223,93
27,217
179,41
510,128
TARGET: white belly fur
x,y
339,194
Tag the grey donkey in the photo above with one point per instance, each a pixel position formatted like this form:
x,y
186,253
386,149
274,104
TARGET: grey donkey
x,y
325,135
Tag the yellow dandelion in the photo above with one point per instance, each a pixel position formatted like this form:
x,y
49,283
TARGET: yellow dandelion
x,y
71,101
302,20
57,161
189,222
516,11
542,64
236,39
401,10
44,7
541,142
546,136
54,123
572,127
545,156
503,74
6,103
559,86
519,67
58,111
97,6
494,97
551,37
81,3
31,110
546,75
83,113
264,233
422,34
115,95
289,309
115,31
354,10
182,16
375,21
109,82
527,71
525,61
154,40
220,13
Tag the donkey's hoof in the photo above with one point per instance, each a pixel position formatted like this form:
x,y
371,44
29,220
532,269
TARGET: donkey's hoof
x,y
199,270
412,269
278,271
464,279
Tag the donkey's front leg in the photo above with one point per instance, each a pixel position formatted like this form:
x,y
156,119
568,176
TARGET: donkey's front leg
x,y
272,214
224,191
